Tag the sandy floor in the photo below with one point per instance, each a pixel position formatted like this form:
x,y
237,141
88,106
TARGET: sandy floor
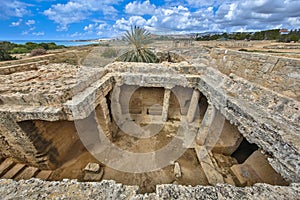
x,y
192,173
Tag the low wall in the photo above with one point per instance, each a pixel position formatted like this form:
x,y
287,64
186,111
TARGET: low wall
x,y
22,67
71,189
279,74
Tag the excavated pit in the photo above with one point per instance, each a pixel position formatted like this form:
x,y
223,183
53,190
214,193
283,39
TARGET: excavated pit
x,y
50,134
66,156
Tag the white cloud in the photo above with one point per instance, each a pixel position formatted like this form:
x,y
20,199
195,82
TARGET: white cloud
x,y
30,22
76,34
199,3
167,17
102,26
257,15
13,8
138,8
210,16
17,23
29,32
96,28
77,10
38,33
89,28
65,14
123,24
167,20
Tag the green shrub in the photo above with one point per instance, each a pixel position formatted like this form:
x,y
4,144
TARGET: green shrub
x,y
53,46
4,55
30,46
5,48
19,50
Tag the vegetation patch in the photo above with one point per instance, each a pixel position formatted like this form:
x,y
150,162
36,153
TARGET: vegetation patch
x,y
138,38
8,48
274,34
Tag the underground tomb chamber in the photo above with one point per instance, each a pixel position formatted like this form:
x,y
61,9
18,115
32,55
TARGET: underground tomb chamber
x,y
194,104
214,150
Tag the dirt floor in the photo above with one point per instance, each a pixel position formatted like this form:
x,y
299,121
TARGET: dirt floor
x,y
192,173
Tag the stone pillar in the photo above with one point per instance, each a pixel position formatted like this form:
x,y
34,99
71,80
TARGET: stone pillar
x,y
116,111
166,104
105,109
211,127
193,106
106,124
205,125
116,106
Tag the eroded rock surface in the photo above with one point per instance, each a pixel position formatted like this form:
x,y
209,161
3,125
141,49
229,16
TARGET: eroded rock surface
x,y
71,189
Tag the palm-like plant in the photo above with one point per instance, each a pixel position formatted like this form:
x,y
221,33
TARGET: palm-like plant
x,y
138,38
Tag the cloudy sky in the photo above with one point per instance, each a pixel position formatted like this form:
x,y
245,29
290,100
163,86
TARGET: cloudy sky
x,y
83,19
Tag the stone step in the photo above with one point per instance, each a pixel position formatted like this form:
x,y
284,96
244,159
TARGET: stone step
x,y
14,171
27,173
6,165
44,174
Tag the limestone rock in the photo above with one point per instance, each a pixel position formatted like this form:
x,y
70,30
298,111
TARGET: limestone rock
x,y
91,176
92,167
177,170
256,169
71,189
93,172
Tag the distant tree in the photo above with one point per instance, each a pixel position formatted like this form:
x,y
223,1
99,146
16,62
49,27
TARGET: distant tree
x,y
30,46
17,50
5,48
225,35
44,45
138,38
4,55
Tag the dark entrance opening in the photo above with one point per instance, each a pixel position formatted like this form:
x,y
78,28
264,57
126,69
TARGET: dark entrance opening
x,y
244,151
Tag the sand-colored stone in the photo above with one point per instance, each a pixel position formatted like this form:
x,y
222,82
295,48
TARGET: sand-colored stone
x,y
44,174
256,169
193,106
27,173
6,165
14,171
229,140
166,104
213,176
93,176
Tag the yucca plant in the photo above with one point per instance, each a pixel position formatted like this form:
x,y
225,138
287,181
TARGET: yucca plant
x,y
138,38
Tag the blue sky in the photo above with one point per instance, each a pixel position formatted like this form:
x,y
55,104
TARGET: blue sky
x,y
85,19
